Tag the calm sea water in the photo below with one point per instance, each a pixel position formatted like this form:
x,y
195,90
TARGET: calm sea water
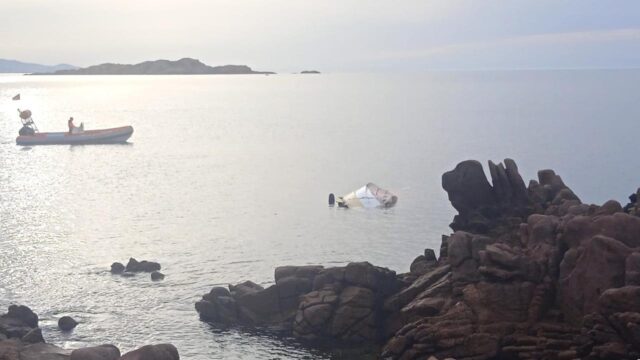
x,y
226,177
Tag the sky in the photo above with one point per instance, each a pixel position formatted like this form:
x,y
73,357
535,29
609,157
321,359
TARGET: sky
x,y
327,35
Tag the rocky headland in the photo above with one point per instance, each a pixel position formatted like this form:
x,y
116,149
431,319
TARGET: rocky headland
x,y
14,66
185,66
21,339
529,272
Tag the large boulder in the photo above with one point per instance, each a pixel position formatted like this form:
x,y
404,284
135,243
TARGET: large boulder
x,y
508,186
351,315
434,300
355,316
260,307
101,352
481,206
496,302
304,272
10,349
247,287
406,295
42,351
22,313
18,321
632,269
218,306
314,314
623,299
471,194
117,268
372,277
153,352
34,336
587,271
345,304
620,226
424,263
291,283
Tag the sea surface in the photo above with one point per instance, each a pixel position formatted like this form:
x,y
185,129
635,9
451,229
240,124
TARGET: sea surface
x,y
227,177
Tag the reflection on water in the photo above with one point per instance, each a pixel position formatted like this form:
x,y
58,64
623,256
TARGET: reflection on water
x,y
227,177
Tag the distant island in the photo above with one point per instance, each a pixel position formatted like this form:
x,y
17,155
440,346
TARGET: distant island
x,y
185,66
14,66
310,72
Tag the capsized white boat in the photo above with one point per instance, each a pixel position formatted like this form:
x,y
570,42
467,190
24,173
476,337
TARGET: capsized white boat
x,y
368,196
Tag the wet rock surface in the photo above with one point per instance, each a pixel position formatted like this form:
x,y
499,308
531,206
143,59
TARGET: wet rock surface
x,y
21,339
157,276
153,352
117,268
530,272
134,266
67,323
142,266
102,352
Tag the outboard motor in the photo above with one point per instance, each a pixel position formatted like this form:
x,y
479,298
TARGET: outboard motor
x,y
26,131
332,199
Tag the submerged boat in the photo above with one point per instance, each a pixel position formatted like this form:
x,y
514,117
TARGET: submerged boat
x,y
368,196
29,134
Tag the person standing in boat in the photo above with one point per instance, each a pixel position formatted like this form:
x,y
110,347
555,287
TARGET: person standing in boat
x,y
71,126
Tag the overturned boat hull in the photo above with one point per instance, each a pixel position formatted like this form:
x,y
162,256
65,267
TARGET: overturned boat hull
x,y
368,196
104,136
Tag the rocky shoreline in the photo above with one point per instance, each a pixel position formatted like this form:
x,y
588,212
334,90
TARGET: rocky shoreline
x,y
21,339
530,272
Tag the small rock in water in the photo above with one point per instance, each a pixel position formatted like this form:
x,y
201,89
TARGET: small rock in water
x,y
102,352
117,268
156,275
142,266
67,323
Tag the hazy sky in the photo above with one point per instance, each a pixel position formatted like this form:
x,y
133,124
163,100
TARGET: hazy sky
x,y
329,35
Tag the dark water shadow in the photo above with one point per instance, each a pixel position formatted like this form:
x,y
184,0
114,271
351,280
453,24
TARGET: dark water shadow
x,y
322,348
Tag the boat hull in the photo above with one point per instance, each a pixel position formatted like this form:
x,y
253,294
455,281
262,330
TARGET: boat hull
x,y
105,136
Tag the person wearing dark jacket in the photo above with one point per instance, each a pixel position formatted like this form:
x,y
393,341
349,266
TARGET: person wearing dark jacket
x,y
70,123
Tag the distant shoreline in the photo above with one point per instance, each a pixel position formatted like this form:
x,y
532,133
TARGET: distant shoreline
x,y
185,66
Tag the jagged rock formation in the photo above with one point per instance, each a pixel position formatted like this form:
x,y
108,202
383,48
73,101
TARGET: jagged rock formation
x,y
340,303
633,207
135,266
530,272
161,67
